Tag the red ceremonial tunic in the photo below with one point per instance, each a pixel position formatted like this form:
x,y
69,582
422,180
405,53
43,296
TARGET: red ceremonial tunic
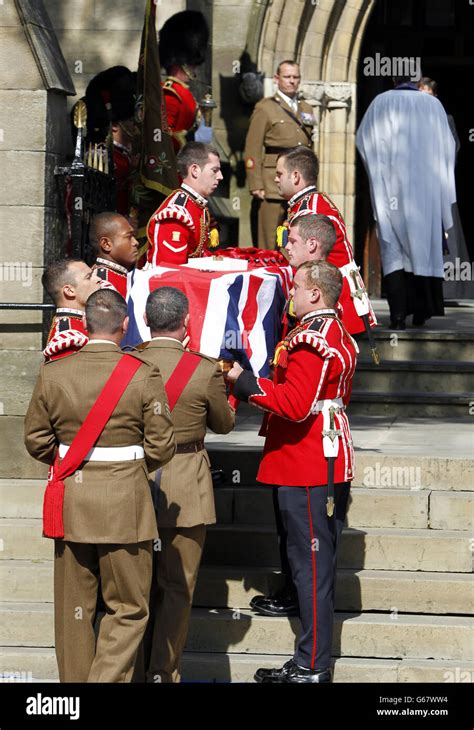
x,y
112,275
181,110
310,201
67,334
123,178
179,229
314,369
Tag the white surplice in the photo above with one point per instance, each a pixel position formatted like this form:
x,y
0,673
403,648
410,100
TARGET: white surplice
x,y
409,153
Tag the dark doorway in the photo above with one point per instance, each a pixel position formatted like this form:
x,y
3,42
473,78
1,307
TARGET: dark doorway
x,y
441,34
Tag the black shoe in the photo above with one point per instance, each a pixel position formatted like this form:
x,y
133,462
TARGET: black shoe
x,y
398,323
275,605
267,676
292,673
302,675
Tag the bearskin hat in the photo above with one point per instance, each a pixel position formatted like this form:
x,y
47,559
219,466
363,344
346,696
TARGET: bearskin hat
x,y
183,39
116,86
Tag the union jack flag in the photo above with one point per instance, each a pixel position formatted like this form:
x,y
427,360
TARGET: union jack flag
x,y
234,315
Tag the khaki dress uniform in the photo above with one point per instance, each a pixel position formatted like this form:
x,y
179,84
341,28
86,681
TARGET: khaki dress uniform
x,y
109,520
274,128
185,504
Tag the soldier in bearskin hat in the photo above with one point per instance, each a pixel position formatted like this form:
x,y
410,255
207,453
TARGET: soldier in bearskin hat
x,y
182,45
110,101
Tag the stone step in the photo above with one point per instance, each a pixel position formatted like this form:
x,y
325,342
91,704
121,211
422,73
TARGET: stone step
x,y
357,635
27,624
229,587
415,507
410,404
26,580
413,375
451,513
211,667
419,345
235,631
445,551
373,469
367,507
406,509
23,540
356,590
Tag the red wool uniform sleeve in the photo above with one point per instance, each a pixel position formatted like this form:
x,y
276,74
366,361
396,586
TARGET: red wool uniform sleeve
x,y
173,105
171,242
294,398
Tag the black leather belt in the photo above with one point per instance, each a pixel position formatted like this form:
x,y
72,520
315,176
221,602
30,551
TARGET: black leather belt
x,y
276,150
191,447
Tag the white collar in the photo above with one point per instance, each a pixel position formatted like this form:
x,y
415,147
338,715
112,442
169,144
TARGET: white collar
x,y
163,337
111,265
101,342
301,193
65,311
195,196
317,313
292,102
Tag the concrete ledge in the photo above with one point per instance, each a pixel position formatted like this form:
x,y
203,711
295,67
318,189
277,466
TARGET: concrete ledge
x,y
452,512
370,635
208,667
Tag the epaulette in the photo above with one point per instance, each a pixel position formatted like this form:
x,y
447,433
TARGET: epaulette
x,y
168,89
64,324
176,210
64,341
312,338
139,348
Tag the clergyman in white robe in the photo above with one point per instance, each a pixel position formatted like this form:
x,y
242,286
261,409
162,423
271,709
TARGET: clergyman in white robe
x,y
408,150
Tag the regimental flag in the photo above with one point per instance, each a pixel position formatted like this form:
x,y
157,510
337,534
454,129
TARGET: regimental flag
x,y
157,174
233,315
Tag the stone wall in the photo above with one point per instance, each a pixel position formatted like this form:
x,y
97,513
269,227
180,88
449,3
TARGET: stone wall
x,y
32,141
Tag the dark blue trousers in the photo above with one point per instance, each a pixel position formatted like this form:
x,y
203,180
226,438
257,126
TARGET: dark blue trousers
x,y
312,542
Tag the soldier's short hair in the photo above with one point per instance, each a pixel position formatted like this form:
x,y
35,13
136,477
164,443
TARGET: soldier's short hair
x,y
103,224
324,276
57,274
289,62
166,308
194,153
317,226
105,311
305,161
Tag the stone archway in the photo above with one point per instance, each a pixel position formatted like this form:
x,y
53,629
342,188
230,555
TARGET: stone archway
x,y
325,37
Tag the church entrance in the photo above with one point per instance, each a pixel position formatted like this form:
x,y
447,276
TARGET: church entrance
x,y
440,33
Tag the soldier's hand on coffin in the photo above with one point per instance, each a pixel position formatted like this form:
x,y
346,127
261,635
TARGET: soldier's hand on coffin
x,y
234,372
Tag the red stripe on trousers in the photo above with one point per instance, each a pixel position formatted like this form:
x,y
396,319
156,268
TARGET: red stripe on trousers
x,y
313,561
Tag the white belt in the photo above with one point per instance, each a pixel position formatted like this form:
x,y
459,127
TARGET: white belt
x,y
358,290
114,453
325,405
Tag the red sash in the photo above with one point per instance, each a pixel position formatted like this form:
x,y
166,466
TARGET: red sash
x,y
180,377
82,443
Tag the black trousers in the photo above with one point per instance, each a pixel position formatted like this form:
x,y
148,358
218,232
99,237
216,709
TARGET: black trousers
x,y
407,294
312,542
288,588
